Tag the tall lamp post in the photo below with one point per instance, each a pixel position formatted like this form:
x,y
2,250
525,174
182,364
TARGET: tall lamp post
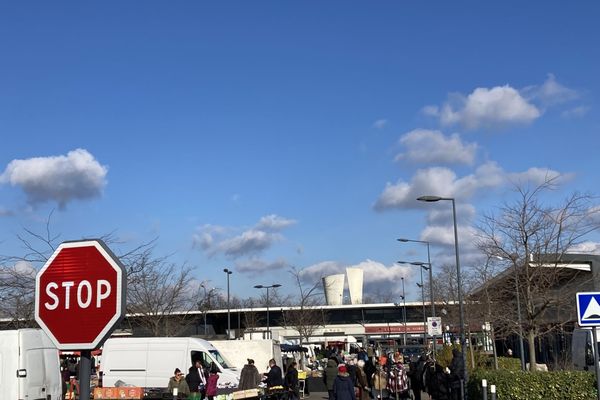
x,y
275,285
404,310
431,199
228,272
421,286
430,270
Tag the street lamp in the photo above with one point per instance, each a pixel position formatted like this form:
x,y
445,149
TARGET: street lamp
x,y
404,310
430,270
275,285
431,199
421,286
228,272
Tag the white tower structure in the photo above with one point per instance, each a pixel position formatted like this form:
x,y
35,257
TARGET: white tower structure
x,y
355,284
333,286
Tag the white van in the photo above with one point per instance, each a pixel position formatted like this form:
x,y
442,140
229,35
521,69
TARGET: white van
x,y
260,350
29,366
150,362
582,351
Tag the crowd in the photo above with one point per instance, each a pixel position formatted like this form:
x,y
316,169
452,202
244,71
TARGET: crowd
x,y
368,376
201,382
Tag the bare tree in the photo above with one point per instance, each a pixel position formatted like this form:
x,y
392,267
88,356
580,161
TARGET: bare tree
x,y
306,317
162,296
150,280
532,239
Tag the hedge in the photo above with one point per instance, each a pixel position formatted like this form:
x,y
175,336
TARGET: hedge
x,y
520,385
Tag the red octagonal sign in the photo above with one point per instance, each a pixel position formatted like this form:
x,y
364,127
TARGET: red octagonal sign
x,y
80,295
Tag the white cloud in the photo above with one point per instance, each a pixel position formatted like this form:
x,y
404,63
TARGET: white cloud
x,y
255,265
550,92
380,123
248,242
438,181
432,146
486,108
4,212
238,242
274,222
57,178
575,112
536,176
25,268
586,248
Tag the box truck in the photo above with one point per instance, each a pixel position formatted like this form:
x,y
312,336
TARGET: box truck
x,y
29,366
150,362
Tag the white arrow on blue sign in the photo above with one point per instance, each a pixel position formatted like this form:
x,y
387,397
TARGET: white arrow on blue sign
x,y
588,308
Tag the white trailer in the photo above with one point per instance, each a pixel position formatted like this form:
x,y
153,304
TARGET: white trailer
x,y
29,366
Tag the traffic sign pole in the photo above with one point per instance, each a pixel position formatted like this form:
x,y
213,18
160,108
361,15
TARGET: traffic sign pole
x,y
85,371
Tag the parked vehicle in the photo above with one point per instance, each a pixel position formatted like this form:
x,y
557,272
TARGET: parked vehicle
x,y
260,350
582,350
150,362
29,366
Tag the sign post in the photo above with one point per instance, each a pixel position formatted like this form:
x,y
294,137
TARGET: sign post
x,y
588,314
79,299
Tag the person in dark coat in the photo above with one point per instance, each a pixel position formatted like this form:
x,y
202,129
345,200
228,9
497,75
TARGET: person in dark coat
x,y
249,377
196,379
274,376
329,376
177,381
457,373
343,388
291,382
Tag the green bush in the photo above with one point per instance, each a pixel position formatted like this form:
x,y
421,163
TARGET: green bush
x,y
520,385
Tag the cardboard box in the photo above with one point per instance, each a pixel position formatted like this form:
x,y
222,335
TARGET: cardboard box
x,y
127,393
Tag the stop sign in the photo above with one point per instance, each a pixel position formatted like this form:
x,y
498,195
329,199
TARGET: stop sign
x,y
80,294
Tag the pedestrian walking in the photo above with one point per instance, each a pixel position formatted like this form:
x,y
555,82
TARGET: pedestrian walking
x,y
331,371
196,380
211,382
177,386
291,382
343,389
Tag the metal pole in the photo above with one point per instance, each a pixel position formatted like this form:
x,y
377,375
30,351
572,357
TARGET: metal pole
x,y
424,315
85,370
460,297
431,294
268,329
484,388
228,308
404,310
596,367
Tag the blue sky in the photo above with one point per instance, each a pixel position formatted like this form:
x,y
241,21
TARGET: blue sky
x,y
264,135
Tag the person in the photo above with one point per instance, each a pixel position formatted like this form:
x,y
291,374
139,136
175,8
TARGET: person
x,y
291,382
211,382
196,379
274,377
343,389
249,377
351,368
331,371
361,381
398,381
457,373
178,382
437,383
379,388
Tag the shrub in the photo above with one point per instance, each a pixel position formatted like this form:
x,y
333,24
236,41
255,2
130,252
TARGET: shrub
x,y
520,385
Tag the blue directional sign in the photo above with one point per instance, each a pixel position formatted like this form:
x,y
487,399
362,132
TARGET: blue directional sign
x,y
588,308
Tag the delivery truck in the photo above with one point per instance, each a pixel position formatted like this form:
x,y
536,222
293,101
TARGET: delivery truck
x,y
150,362
29,366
